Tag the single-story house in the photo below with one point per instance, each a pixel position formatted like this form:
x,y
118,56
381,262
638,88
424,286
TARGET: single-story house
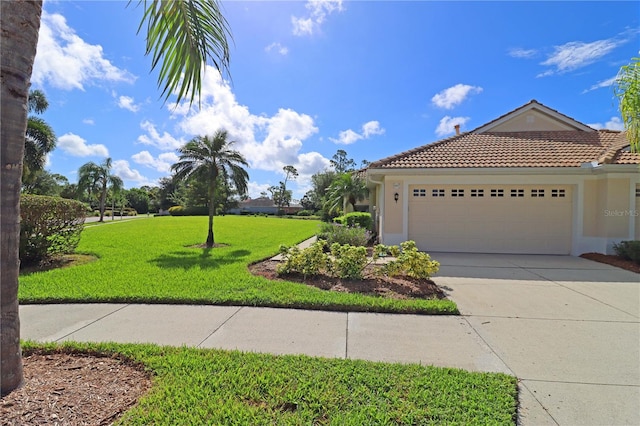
x,y
531,181
263,205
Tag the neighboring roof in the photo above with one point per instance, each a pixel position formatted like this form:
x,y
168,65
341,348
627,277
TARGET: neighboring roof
x,y
257,202
516,149
497,145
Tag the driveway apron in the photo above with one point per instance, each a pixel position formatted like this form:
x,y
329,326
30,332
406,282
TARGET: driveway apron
x,y
567,327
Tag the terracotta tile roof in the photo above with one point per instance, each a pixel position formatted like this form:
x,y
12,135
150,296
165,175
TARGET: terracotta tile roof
x,y
516,149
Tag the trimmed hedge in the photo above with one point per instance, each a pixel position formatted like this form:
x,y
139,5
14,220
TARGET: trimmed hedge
x,y
363,220
49,226
189,211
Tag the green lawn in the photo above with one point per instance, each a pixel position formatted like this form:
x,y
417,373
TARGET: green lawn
x,y
150,261
196,386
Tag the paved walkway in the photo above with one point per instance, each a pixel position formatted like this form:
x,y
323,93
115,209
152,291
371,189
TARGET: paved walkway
x,y
567,327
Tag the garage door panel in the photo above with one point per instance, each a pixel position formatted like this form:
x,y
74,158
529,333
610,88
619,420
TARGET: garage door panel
x,y
533,221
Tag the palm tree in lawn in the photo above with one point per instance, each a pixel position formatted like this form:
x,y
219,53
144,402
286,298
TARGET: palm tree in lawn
x,y
346,189
182,35
40,138
97,178
211,158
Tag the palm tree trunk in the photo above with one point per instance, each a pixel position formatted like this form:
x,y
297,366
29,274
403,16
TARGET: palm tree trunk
x,y
103,201
20,23
210,239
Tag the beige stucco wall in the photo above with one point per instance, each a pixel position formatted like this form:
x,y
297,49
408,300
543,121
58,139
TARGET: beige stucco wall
x,y
393,211
607,208
530,121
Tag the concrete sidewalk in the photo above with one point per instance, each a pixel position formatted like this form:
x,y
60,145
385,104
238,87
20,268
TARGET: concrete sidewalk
x,y
568,328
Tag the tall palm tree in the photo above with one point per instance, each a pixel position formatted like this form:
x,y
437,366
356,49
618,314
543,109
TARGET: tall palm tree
x,y
182,35
346,189
40,138
210,159
97,178
627,90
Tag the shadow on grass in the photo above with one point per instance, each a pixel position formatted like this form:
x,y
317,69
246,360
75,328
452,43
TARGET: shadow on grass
x,y
207,258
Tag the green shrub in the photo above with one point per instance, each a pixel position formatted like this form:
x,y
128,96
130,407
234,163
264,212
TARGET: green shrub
x,y
189,211
305,213
341,234
409,261
348,261
363,220
49,226
629,250
308,262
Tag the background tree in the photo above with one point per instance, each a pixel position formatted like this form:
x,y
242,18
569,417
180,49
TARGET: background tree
x,y
280,194
627,90
42,182
341,163
138,199
208,158
347,189
40,138
179,39
98,180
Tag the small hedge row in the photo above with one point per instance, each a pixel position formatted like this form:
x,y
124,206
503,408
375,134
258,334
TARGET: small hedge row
x,y
363,220
189,211
49,226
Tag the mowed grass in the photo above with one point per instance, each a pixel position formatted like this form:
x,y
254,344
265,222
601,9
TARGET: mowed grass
x,y
152,261
196,386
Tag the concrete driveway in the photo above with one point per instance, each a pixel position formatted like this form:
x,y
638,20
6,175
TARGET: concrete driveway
x,y
567,327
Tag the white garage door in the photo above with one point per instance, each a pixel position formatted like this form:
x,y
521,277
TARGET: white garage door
x,y
534,219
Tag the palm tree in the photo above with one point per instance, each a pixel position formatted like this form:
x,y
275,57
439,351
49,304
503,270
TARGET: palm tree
x,y
346,189
40,138
627,90
210,158
182,35
97,179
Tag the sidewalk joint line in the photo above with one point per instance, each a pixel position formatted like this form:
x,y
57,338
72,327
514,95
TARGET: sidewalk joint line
x,y
569,382
94,321
220,326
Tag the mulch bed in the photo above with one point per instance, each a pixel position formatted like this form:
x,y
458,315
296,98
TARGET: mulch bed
x,y
66,389
613,260
391,287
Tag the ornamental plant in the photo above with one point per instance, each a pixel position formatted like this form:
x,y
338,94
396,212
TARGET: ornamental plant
x,y
410,262
347,261
308,262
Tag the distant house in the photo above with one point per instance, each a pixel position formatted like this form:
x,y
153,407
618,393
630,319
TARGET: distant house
x,y
531,181
262,205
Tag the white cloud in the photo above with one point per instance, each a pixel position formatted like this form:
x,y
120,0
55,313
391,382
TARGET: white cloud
x,y
122,169
127,102
67,62
74,145
89,121
614,124
347,137
267,142
254,189
604,83
576,54
447,125
522,53
163,141
277,47
162,163
318,12
454,95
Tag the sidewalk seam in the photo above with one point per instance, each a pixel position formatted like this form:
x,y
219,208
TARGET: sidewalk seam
x,y
220,326
93,322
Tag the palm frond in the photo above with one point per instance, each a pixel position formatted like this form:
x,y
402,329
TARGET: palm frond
x,y
182,35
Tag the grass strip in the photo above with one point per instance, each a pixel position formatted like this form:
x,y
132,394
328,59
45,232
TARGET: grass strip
x,y
198,386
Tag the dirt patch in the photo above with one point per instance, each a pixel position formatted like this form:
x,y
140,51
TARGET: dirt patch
x,y
371,284
204,246
62,261
65,389
613,260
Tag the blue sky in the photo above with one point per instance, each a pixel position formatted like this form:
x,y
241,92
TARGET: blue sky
x,y
373,78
